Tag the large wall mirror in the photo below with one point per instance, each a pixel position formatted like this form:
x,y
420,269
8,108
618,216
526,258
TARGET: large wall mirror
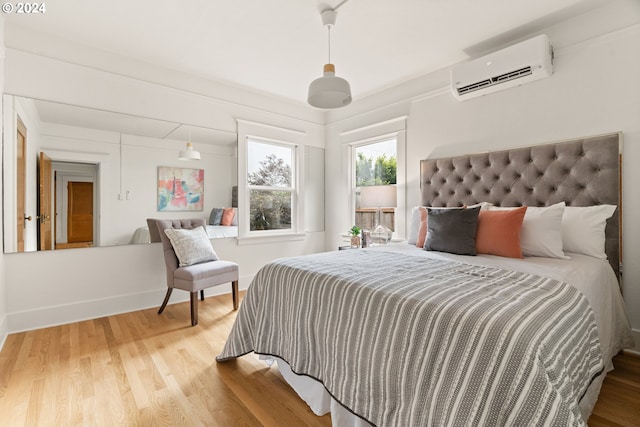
x,y
80,177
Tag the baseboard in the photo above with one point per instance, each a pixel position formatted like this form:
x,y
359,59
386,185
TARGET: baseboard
x,y
92,309
4,331
635,333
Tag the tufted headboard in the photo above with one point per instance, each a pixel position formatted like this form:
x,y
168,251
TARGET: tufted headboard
x,y
581,172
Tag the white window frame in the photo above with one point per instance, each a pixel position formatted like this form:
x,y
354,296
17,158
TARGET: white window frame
x,y
245,235
395,127
353,147
292,189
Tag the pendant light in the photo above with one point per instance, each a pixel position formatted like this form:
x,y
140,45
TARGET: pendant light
x,y
189,153
329,91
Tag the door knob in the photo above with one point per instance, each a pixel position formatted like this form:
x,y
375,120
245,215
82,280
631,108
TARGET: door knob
x,y
27,218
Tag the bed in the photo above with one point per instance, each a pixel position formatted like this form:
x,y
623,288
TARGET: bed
x,y
398,335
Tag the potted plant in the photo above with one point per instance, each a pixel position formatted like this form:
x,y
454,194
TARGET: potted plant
x,y
355,236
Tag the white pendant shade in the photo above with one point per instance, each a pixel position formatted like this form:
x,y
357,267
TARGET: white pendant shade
x,y
189,153
329,91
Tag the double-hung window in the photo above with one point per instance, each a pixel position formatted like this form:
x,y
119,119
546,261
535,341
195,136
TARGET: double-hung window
x,y
271,185
374,167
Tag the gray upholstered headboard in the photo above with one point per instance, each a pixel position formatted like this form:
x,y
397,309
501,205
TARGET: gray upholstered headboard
x,y
581,172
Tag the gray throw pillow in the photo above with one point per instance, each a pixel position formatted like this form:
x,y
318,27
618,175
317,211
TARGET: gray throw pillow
x,y
452,230
216,216
191,246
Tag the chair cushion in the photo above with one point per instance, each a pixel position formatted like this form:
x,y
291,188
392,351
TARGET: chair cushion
x,y
200,276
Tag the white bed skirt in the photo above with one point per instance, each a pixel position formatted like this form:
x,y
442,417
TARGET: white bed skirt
x,y
318,399
321,402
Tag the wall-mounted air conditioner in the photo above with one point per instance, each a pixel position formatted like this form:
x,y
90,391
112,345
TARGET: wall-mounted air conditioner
x,y
512,66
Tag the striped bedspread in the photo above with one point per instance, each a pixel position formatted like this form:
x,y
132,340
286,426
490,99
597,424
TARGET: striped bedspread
x,y
410,341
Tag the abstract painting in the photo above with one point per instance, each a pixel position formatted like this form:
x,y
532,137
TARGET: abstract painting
x,y
180,189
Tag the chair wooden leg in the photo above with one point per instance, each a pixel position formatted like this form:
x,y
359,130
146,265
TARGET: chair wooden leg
x,y
194,308
234,294
201,294
166,300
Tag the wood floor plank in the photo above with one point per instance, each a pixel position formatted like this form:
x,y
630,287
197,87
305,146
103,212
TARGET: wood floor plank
x,y
145,369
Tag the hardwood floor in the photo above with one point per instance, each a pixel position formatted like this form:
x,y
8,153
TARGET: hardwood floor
x,y
142,369
619,401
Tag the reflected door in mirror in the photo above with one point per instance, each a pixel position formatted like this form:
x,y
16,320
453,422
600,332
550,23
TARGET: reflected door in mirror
x,y
80,218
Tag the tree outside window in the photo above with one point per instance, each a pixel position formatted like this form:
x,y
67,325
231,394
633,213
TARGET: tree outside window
x,y
271,185
378,171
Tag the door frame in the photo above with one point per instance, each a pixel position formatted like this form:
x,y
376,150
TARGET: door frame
x,y
21,185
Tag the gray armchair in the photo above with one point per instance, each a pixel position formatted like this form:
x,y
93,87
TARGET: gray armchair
x,y
192,278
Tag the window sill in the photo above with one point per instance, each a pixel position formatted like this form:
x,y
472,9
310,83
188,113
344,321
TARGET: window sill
x,y
270,238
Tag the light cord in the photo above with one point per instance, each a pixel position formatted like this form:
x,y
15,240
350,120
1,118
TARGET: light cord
x,y
329,39
340,4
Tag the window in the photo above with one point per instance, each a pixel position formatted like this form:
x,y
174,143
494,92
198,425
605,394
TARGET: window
x,y
271,185
375,164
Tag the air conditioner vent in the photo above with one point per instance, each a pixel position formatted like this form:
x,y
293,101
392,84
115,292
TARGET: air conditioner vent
x,y
525,71
474,86
516,74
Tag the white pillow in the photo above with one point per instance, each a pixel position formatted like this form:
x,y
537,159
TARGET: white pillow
x,y
234,221
484,206
541,232
414,225
191,246
583,229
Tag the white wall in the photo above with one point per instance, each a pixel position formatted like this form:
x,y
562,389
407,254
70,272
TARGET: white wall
x,y
56,287
3,288
47,288
595,89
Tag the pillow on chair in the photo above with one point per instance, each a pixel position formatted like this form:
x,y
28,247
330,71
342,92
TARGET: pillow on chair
x,y
191,246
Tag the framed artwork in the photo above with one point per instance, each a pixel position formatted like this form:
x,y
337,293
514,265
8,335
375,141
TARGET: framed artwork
x,y
180,189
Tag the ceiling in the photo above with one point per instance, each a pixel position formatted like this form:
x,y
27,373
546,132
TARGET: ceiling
x,y
280,46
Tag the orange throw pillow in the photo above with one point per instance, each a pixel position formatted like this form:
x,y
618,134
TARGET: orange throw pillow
x,y
227,216
499,232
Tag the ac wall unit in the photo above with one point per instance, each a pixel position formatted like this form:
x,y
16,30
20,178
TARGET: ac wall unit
x,y
520,63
